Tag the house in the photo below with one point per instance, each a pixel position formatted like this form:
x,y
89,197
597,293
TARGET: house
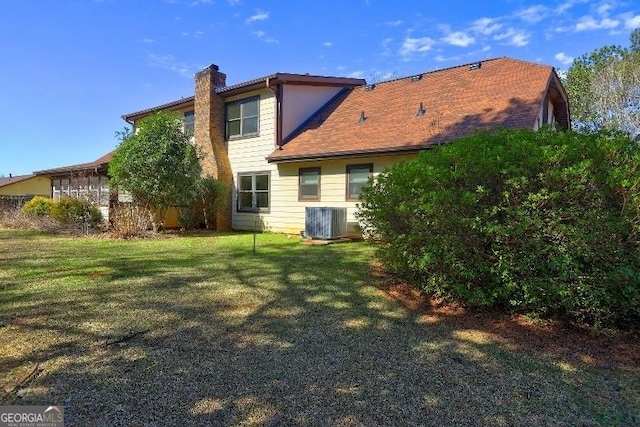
x,y
24,185
284,142
16,190
88,180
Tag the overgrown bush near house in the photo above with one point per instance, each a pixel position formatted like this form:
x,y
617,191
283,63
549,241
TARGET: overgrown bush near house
x,y
540,222
38,206
212,196
129,220
76,211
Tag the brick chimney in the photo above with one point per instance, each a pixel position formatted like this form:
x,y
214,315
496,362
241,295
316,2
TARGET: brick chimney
x,y
209,133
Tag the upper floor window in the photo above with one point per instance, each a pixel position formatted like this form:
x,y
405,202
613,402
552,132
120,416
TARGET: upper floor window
x,y
357,177
242,117
189,119
309,184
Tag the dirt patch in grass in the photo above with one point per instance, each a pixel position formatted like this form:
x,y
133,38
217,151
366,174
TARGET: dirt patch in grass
x,y
605,349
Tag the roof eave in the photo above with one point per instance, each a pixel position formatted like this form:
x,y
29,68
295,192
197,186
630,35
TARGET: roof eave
x,y
173,105
350,153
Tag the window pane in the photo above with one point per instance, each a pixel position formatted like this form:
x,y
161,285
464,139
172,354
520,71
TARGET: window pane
x,y
104,184
309,177
250,108
262,199
309,183
358,178
233,111
262,182
359,174
245,200
250,125
246,183
95,182
233,128
309,191
355,190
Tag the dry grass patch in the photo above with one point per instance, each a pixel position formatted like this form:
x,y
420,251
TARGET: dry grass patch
x,y
199,330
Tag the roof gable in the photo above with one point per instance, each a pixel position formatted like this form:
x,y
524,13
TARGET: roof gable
x,y
4,181
457,101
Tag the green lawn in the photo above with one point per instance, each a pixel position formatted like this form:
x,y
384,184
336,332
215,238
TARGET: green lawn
x,y
199,330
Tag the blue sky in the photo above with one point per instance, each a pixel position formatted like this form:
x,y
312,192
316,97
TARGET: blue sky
x,y
71,68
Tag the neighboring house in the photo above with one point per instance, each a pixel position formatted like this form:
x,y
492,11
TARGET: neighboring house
x,y
24,185
287,141
17,190
82,180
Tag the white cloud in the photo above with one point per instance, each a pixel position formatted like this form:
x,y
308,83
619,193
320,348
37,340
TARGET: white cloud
x,y
259,16
234,2
417,45
394,23
148,41
169,62
459,38
533,14
262,35
485,26
356,75
632,22
386,50
568,5
587,23
604,8
563,58
513,37
327,44
441,58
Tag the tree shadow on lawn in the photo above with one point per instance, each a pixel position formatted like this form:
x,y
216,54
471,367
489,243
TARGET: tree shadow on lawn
x,y
289,343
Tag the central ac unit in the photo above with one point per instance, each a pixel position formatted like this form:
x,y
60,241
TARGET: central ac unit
x,y
325,223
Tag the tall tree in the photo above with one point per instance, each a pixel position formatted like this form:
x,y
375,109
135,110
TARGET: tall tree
x,y
604,88
157,165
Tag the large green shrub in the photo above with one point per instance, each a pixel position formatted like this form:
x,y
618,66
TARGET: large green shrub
x,y
38,206
545,222
79,211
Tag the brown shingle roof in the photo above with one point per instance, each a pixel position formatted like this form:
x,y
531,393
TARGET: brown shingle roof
x,y
249,85
503,92
100,163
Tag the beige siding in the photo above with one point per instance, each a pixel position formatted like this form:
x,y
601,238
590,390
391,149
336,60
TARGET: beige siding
x,y
287,214
36,186
248,154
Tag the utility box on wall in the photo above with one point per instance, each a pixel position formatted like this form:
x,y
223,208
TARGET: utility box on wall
x,y
325,223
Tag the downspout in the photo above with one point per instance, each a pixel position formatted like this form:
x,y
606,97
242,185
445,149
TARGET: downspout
x,y
277,137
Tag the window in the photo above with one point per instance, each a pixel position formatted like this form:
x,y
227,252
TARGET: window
x,y
253,191
357,177
189,118
242,117
309,184
56,189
